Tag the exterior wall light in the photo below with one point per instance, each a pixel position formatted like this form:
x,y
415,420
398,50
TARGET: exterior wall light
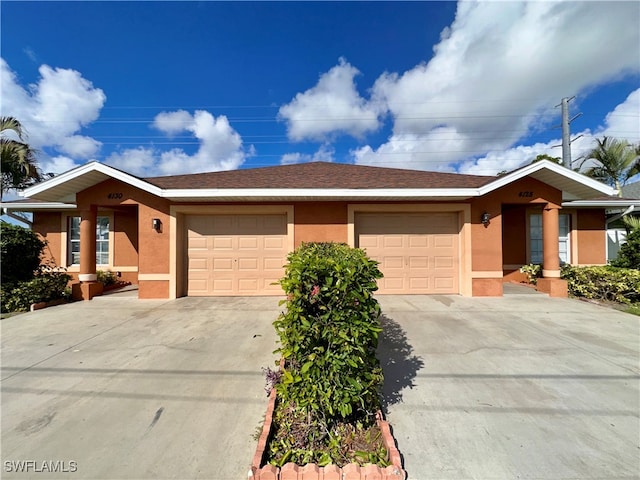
x,y
485,219
156,224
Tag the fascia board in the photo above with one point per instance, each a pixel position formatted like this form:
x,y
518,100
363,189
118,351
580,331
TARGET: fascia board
x,y
314,192
602,203
88,168
554,167
27,207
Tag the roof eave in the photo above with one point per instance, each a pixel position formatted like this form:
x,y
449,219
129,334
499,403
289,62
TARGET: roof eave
x,y
306,194
81,178
555,175
619,203
36,206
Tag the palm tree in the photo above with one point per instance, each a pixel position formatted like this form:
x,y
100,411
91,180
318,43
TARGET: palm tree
x,y
616,161
18,167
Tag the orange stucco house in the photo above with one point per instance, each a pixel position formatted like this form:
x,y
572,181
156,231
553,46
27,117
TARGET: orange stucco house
x,y
228,233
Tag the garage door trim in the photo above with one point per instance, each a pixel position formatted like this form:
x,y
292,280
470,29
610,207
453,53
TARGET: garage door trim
x,y
178,278
464,217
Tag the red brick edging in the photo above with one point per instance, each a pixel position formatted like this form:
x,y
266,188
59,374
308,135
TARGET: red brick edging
x,y
291,471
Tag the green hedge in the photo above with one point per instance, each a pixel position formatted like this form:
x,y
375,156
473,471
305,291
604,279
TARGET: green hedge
x,y
44,287
329,331
20,251
603,283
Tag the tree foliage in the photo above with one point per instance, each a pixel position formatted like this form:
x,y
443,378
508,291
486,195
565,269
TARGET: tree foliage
x,y
629,253
615,161
20,253
544,156
18,160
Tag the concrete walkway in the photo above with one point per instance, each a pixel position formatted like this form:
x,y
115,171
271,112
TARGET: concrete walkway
x,y
517,387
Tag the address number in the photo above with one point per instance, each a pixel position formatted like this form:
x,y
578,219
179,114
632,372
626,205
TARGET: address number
x,y
114,196
525,194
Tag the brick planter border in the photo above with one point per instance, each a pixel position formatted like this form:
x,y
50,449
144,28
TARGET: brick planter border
x,y
352,471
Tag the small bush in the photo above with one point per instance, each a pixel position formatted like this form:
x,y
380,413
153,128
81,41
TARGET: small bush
x,y
603,283
46,286
328,338
629,253
20,250
106,278
533,271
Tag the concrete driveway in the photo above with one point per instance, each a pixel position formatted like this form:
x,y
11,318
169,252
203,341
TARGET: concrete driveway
x,y
523,386
517,387
136,389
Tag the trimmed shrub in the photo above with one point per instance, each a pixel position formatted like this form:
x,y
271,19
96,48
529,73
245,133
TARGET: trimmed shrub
x,y
533,271
20,251
603,283
328,337
106,278
46,286
629,253
329,332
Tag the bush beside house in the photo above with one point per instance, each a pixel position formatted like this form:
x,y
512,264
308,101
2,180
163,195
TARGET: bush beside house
x,y
24,280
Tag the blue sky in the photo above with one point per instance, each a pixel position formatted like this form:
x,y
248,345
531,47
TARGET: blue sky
x,y
159,88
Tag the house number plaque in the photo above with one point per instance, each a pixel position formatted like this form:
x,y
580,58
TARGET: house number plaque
x,y
525,194
114,196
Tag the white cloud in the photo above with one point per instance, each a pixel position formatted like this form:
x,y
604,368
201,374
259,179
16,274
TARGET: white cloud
x,y
79,146
56,165
434,150
332,106
173,123
324,154
54,109
496,74
220,147
622,122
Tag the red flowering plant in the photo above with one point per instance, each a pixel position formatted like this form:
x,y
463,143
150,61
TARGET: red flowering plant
x,y
328,336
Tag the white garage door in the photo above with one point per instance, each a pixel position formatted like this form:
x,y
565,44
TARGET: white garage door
x,y
235,254
418,252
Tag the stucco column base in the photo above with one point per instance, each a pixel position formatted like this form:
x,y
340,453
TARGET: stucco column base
x,y
555,287
86,290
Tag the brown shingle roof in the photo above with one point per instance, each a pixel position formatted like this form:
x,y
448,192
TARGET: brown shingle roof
x,y
321,175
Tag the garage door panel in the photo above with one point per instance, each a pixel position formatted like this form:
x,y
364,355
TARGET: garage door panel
x,y
236,254
248,243
198,264
198,243
368,241
222,264
274,243
443,262
417,252
419,283
271,264
418,262
392,241
250,264
444,284
221,243
418,242
443,241
393,263
392,284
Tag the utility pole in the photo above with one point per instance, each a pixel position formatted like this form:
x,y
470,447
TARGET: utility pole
x,y
566,131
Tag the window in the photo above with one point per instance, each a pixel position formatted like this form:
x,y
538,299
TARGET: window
x,y
535,238
74,241
102,241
